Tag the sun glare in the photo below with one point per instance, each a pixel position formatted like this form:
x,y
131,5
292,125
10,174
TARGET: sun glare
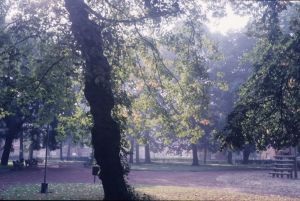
x,y
230,23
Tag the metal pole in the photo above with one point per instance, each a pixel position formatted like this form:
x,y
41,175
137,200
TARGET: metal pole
x,y
44,187
93,164
46,160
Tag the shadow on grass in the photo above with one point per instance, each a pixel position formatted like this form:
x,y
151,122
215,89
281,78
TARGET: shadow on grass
x,y
62,191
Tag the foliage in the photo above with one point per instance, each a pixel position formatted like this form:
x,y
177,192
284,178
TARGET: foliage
x,y
36,69
234,70
267,113
75,124
174,65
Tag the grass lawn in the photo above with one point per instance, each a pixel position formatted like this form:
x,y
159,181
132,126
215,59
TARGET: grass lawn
x,y
191,193
92,192
5,168
56,192
10,164
157,166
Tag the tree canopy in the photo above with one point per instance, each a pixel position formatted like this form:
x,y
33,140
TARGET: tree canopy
x,y
150,69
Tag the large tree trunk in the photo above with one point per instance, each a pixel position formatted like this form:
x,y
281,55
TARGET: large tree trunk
x,y
137,153
98,92
21,152
131,150
147,153
195,155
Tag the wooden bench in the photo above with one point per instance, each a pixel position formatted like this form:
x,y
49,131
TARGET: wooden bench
x,y
31,163
284,165
288,174
18,165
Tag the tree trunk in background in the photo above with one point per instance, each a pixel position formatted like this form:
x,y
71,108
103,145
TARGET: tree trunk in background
x,y
14,127
205,154
61,151
195,155
131,150
147,154
246,154
6,150
229,157
137,153
69,150
30,156
98,92
21,153
1,144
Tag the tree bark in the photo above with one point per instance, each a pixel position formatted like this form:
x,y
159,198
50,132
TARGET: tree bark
x,y
205,154
6,151
246,154
195,155
69,149
137,153
98,92
229,157
14,126
21,152
1,147
131,151
147,153
61,151
30,157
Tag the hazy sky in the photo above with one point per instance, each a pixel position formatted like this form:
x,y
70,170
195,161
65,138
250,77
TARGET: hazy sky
x,y
231,22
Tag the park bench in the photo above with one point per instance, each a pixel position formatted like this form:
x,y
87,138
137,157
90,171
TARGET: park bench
x,y
285,165
18,165
31,163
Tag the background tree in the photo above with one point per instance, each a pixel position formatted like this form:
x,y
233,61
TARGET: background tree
x,y
32,85
233,70
266,114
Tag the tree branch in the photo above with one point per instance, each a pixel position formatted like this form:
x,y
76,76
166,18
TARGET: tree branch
x,y
47,71
132,20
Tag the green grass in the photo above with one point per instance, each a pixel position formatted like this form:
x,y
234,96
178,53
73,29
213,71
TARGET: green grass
x,y
3,167
10,165
155,166
205,193
94,192
56,192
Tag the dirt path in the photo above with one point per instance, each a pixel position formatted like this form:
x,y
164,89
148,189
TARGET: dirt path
x,y
256,182
83,175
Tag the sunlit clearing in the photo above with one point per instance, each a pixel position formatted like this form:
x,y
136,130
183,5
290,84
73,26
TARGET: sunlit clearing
x,y
230,23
